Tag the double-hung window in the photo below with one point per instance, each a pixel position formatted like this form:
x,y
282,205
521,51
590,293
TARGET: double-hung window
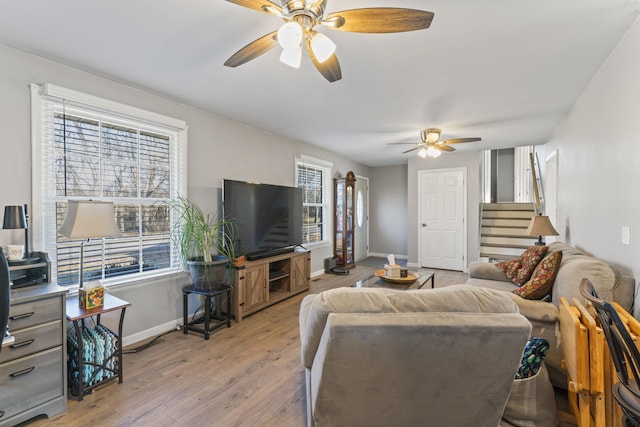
x,y
314,177
86,147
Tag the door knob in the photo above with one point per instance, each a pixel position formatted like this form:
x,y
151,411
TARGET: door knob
x,y
424,224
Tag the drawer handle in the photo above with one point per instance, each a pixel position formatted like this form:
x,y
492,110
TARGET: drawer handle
x,y
23,372
21,344
22,316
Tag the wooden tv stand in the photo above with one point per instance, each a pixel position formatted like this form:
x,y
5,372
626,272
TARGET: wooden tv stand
x,y
261,283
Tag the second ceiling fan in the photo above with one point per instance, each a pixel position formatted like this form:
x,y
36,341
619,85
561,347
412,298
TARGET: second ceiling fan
x,y
301,18
431,145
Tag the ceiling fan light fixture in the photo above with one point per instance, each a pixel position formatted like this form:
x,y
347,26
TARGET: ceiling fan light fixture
x,y
422,153
322,47
290,35
292,57
431,135
433,152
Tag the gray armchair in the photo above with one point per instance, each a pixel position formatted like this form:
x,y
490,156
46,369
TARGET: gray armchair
x,y
381,357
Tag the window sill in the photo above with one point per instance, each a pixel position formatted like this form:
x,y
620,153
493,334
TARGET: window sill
x,y
122,282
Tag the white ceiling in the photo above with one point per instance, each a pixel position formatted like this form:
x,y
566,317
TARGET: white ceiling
x,y
504,70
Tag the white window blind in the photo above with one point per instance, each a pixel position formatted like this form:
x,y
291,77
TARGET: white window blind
x,y
314,179
89,148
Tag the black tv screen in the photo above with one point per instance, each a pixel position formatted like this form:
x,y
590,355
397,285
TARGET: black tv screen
x,y
268,217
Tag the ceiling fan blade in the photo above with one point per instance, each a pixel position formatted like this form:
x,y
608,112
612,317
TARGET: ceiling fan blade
x,y
444,147
330,68
459,140
253,50
379,20
417,147
258,5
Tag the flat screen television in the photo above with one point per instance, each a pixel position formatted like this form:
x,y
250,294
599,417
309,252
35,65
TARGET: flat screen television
x,y
268,217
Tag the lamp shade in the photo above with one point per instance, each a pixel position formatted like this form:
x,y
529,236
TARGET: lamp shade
x,y
87,219
14,217
540,225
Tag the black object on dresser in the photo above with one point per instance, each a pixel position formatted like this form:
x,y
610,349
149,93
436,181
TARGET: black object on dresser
x,y
4,295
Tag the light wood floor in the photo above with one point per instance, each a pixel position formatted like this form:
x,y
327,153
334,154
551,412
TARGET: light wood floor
x,y
246,375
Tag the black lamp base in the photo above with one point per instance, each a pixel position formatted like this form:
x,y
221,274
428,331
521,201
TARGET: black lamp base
x,y
539,242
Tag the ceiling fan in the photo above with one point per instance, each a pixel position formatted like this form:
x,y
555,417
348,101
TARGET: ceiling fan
x,y
301,18
431,145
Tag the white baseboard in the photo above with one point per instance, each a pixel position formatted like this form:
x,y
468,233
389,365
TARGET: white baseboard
x,y
385,255
317,273
151,333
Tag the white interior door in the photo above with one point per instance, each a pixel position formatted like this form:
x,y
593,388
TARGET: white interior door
x,y
362,218
442,217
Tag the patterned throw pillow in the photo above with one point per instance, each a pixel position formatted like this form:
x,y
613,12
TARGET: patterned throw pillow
x,y
542,278
520,269
534,353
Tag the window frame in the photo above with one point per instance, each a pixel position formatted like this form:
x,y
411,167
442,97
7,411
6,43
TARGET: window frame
x,y
327,192
46,100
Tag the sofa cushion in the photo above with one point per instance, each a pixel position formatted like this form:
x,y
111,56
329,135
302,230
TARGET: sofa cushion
x,y
542,278
520,269
577,265
315,309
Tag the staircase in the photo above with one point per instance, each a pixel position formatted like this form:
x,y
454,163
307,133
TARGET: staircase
x,y
502,227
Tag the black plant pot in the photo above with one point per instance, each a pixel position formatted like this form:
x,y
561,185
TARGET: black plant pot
x,y
208,275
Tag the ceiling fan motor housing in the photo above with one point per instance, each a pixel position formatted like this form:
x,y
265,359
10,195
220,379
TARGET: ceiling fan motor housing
x,y
294,7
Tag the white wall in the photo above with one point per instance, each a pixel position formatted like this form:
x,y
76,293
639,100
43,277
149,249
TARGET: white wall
x,y
218,148
470,160
388,197
599,161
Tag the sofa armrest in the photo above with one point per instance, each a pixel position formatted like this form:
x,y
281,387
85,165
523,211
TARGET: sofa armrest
x,y
486,270
536,310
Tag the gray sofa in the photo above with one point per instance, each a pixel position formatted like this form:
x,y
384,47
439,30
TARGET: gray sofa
x,y
383,357
544,316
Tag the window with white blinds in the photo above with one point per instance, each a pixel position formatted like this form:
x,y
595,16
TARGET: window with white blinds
x,y
90,148
314,179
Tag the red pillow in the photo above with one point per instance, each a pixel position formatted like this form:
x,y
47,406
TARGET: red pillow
x,y
542,279
520,269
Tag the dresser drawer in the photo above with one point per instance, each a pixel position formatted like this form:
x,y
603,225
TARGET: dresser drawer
x,y
32,340
30,381
34,313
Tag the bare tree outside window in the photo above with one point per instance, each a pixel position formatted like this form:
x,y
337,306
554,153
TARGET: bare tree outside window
x,y
129,166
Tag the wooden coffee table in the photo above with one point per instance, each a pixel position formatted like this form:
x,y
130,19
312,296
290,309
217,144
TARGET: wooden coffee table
x,y
375,281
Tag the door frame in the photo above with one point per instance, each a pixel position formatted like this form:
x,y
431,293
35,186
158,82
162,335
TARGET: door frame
x,y
465,222
364,178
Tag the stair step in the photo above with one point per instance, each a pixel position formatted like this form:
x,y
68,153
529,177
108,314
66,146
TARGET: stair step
x,y
508,241
502,231
505,222
503,250
507,214
508,206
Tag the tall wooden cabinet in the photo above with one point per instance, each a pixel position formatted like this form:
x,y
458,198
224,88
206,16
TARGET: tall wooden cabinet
x,y
344,238
261,283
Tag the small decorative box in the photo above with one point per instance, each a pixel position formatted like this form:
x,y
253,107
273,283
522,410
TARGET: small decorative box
x,y
91,297
403,272
392,271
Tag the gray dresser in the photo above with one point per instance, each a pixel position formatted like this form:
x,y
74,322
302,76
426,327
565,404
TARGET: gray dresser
x,y
33,367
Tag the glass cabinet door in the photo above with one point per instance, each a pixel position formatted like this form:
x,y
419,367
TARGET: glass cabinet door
x,y
343,224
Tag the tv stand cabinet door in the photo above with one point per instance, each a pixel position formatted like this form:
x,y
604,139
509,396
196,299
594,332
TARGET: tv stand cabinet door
x,y
300,272
255,292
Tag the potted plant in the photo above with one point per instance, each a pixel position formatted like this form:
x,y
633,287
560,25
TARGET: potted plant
x,y
205,243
